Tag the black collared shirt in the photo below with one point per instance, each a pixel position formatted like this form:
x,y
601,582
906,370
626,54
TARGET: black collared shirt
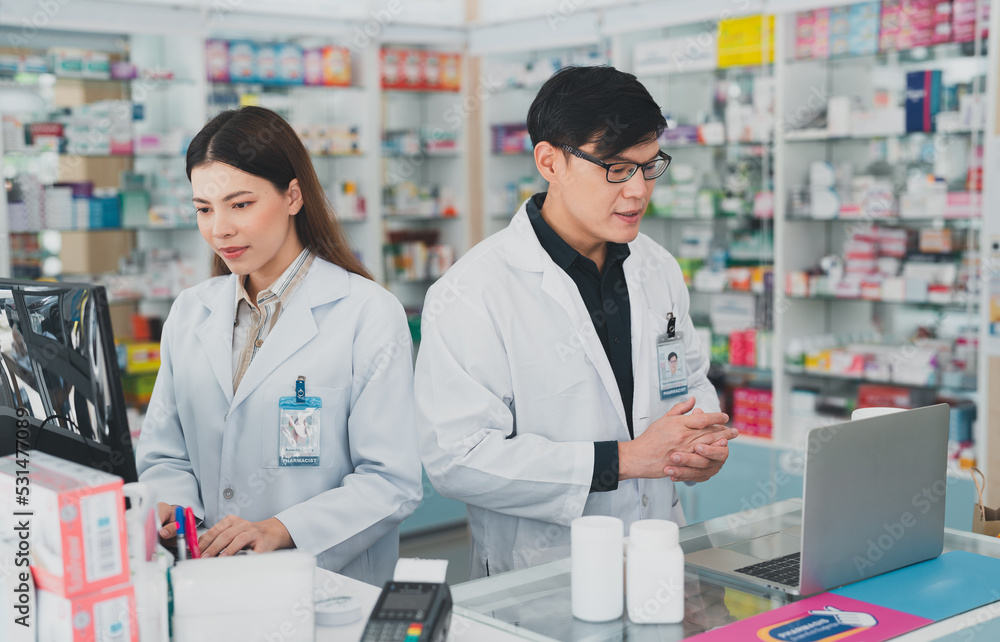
x,y
605,295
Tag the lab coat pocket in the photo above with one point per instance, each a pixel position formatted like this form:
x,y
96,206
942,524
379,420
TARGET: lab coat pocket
x,y
332,425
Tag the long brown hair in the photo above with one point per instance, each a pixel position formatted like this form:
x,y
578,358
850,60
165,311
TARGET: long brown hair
x,y
260,142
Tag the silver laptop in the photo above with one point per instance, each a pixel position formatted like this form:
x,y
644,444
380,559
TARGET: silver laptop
x,y
873,501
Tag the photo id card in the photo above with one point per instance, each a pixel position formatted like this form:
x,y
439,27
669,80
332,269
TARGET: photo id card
x,y
299,431
672,365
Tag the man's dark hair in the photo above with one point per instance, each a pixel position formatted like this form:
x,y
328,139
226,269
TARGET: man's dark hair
x,y
672,355
600,105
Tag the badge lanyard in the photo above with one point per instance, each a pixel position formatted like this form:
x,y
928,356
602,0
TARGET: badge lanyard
x,y
299,428
671,362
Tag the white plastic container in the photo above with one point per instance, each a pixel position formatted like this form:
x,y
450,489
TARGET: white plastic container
x,y
264,596
654,576
597,585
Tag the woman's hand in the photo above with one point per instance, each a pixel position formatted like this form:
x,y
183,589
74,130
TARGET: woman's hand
x,y
168,527
232,534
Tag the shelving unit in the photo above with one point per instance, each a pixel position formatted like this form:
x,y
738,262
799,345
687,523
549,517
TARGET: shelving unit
x,y
876,82
711,209
514,78
424,197
487,186
152,114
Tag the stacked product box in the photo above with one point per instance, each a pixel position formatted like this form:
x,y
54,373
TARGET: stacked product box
x,y
420,70
805,34
890,25
246,61
863,19
840,31
79,63
510,139
916,24
79,555
942,29
98,129
923,99
881,396
963,17
416,261
752,411
741,41
750,348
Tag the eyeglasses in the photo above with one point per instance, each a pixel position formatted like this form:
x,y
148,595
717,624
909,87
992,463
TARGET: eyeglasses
x,y
622,171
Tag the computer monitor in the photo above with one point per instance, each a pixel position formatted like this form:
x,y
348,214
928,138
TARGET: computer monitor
x,y
59,372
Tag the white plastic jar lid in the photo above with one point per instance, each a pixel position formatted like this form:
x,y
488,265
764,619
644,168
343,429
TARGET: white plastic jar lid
x,y
338,610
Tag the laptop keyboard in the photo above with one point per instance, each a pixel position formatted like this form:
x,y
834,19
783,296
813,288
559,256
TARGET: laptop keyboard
x,y
782,570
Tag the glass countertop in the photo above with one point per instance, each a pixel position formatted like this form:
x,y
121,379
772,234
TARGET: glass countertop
x,y
534,603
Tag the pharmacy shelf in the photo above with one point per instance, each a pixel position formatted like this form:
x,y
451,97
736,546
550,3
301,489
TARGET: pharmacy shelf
x,y
743,218
891,220
671,145
31,79
955,305
802,372
419,218
819,136
413,282
694,290
147,228
42,152
761,68
279,87
902,57
140,299
345,155
745,371
421,92
423,155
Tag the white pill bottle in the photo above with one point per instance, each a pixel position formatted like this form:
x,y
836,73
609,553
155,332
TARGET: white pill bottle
x,y
654,573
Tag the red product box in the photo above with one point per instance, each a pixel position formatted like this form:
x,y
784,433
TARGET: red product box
x,y
871,290
964,20
942,33
743,348
821,34
420,70
401,69
889,27
877,396
45,129
922,23
77,531
91,617
942,11
804,37
752,411
441,71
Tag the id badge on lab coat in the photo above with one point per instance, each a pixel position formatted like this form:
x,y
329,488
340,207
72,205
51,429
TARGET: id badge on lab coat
x,y
299,431
671,365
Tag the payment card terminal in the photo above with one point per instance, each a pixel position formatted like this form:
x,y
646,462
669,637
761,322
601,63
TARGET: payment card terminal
x,y
410,612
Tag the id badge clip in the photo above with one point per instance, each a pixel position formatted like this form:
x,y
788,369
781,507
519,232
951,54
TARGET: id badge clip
x,y
299,428
670,360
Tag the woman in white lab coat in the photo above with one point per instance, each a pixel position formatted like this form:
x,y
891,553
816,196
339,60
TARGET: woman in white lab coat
x,y
288,299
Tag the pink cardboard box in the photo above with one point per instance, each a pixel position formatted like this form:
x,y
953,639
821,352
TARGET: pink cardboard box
x,y
91,617
77,530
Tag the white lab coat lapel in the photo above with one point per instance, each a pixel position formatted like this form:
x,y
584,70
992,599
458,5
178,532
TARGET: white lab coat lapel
x,y
216,332
637,308
295,327
526,252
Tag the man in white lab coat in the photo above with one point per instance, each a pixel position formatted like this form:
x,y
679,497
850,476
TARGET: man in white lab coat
x,y
543,388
